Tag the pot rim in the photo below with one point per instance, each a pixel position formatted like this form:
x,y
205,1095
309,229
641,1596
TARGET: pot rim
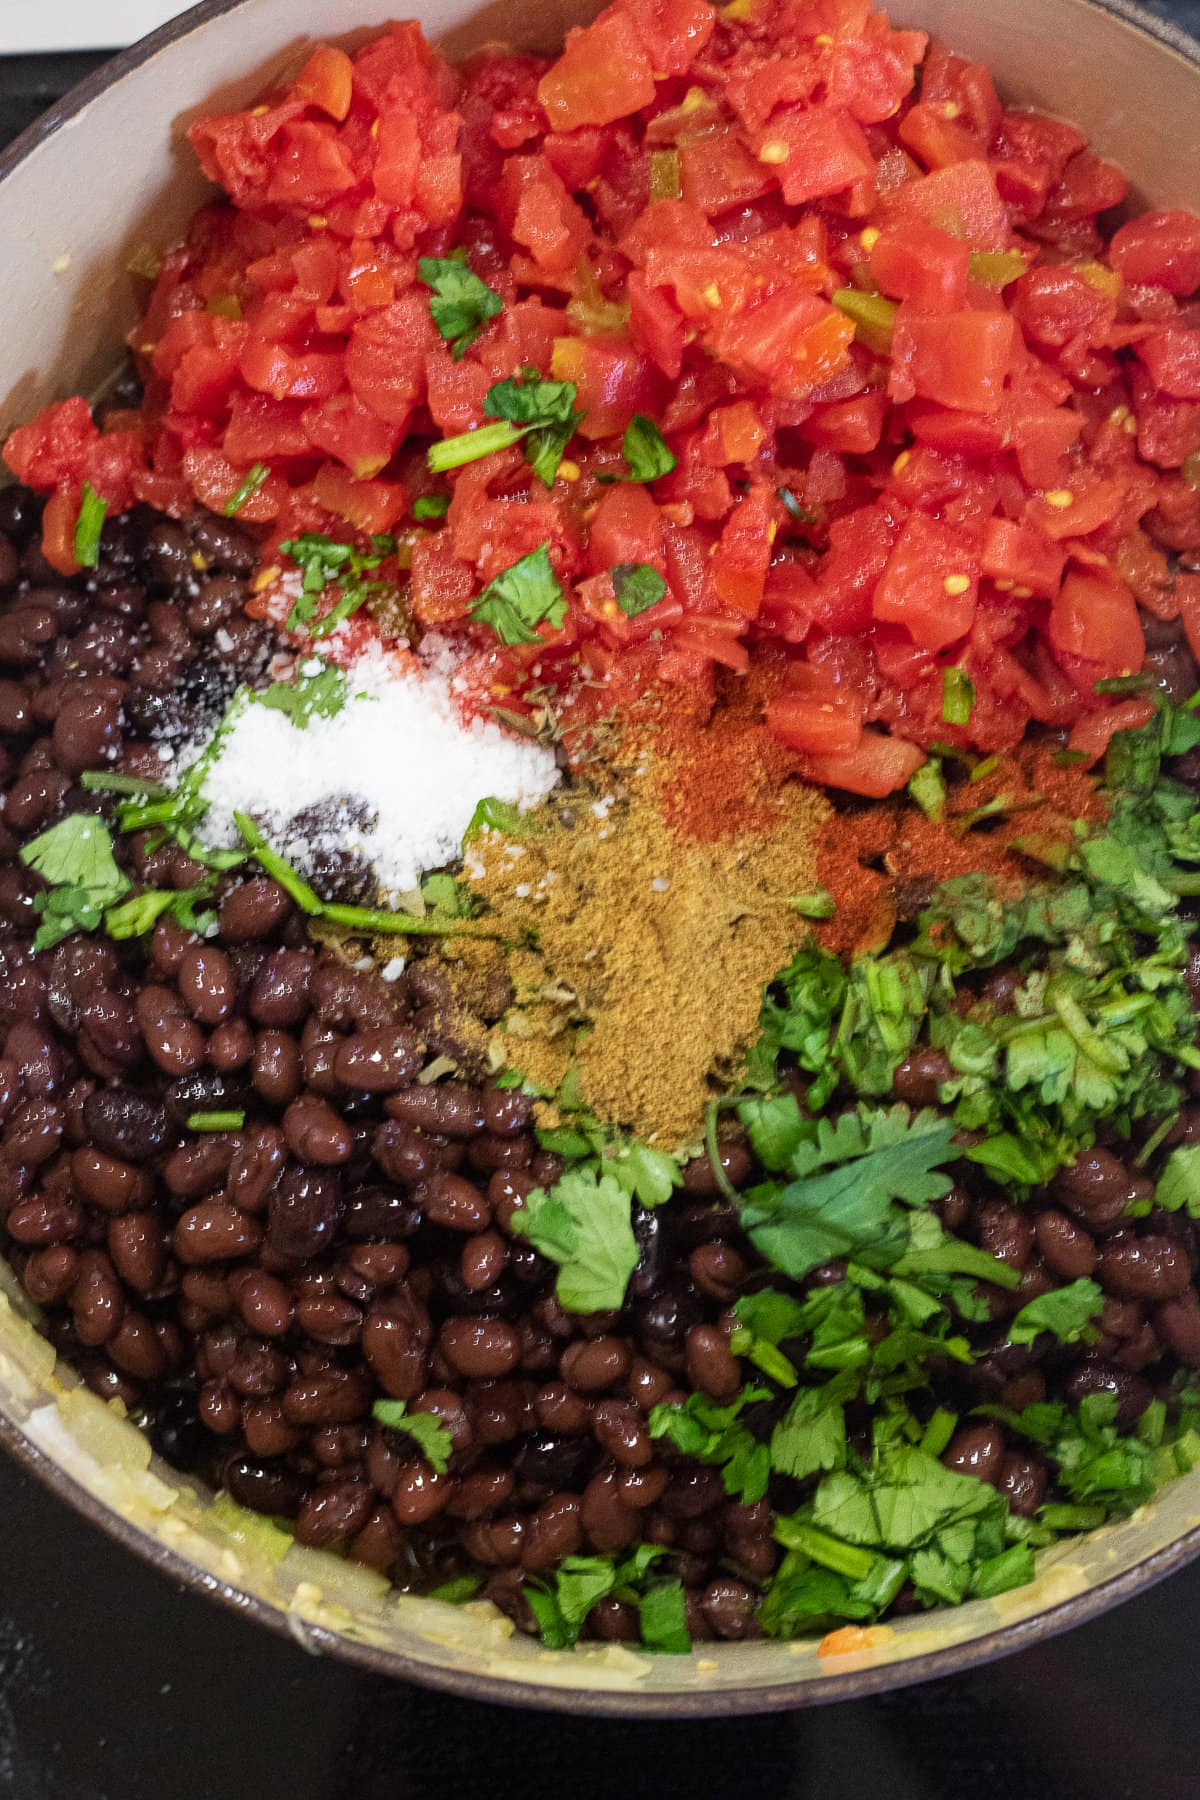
x,y
747,1699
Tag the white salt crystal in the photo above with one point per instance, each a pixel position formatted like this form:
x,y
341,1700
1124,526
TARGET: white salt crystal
x,y
396,773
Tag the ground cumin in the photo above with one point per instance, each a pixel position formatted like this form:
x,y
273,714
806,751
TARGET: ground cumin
x,y
639,955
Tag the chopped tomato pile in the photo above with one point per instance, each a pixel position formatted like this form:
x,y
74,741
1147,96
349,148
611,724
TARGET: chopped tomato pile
x,y
764,333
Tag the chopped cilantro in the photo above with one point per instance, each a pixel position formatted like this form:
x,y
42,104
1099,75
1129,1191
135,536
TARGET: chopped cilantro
x,y
562,1602
717,1435
496,815
75,858
928,789
246,489
141,912
431,506
320,695
1179,1183
645,450
583,1224
524,596
958,696
326,563
429,1433
637,587
216,1121
1068,1312
277,867
662,1612
460,303
93,510
542,413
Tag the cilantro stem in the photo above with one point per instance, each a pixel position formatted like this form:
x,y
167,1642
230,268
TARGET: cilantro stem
x,y
254,478
366,918
712,1145
98,781
470,446
938,1432
277,867
1072,1518
93,510
216,1121
830,1552
1155,1139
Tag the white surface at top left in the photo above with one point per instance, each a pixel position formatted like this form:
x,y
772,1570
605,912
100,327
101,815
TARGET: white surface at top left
x,y
31,25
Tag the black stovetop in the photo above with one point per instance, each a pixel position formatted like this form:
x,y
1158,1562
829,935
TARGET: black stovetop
x,y
116,1685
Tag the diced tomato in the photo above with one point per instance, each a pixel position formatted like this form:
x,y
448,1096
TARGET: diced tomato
x,y
1022,556
930,583
327,81
1095,731
938,138
958,359
215,481
1161,249
878,766
540,213
1094,619
922,264
627,527
823,721
961,200
996,472
742,556
656,323
58,531
1172,359
346,429
370,506
603,74
851,427
815,151
613,381
385,358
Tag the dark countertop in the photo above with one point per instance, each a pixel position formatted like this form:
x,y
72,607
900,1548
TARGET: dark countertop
x,y
116,1685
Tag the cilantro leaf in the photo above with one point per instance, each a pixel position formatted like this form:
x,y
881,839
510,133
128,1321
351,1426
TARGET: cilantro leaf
x,y
547,416
141,912
320,695
1179,1182
637,587
715,1435
460,303
583,1224
649,1176
431,506
522,597
811,1436
1068,1312
431,1436
326,563
645,450
899,1502
849,1210
663,1615
562,1602
75,858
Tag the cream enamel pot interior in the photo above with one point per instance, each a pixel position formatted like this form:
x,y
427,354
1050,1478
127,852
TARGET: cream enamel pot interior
x,y
108,173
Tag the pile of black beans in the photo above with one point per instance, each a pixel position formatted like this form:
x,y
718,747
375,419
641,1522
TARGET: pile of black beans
x,y
250,1294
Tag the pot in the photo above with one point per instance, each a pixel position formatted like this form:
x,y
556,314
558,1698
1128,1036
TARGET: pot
x,y
104,179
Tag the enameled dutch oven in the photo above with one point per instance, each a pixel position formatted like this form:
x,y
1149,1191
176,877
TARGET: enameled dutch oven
x,y
107,173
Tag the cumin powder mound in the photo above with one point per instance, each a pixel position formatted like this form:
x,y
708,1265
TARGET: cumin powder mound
x,y
637,955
